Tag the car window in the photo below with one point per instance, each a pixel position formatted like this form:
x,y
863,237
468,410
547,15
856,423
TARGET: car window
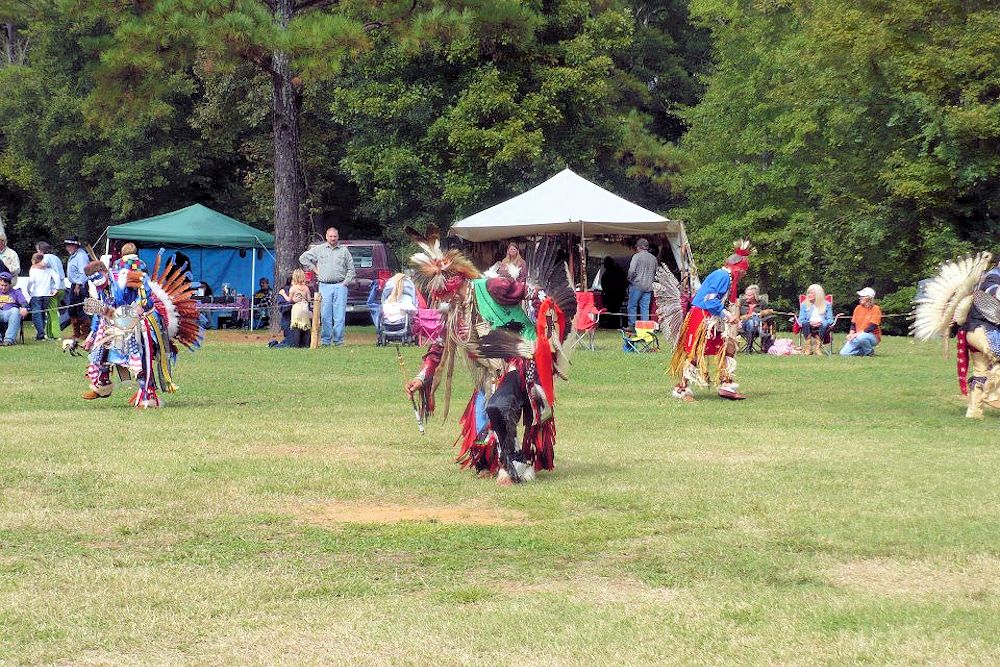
x,y
363,256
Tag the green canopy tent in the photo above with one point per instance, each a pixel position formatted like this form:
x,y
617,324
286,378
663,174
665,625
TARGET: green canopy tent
x,y
219,249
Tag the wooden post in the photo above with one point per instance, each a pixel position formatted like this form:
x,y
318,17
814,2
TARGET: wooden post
x,y
314,331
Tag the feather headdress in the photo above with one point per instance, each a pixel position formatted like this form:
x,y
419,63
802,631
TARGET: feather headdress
x,y
442,272
948,296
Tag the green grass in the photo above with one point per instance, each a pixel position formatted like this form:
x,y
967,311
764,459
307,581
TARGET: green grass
x,y
846,513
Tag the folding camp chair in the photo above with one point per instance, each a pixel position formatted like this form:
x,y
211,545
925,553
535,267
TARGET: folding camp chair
x,y
828,340
641,339
585,320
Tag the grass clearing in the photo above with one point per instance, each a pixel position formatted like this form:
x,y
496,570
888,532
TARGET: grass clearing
x,y
283,509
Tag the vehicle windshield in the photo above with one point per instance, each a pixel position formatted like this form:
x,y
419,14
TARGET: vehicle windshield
x,y
363,256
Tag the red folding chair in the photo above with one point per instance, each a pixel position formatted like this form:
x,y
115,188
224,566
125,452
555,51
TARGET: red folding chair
x,y
827,342
585,321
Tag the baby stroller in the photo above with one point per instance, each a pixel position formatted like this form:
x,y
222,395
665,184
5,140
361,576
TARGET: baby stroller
x,y
394,322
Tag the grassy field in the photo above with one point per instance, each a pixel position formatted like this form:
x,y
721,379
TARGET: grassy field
x,y
282,509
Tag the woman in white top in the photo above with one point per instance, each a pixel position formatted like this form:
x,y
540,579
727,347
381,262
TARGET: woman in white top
x,y
815,319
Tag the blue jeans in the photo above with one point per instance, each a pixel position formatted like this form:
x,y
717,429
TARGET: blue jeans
x,y
821,330
862,345
637,301
332,312
38,305
11,319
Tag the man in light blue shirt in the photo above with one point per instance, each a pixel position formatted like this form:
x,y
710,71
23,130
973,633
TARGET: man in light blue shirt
x,y
78,260
334,268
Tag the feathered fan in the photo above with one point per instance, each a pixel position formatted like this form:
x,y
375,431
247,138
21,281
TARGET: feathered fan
x,y
947,297
669,311
547,273
177,309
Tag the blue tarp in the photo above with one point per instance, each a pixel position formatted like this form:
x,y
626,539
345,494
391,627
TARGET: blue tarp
x,y
216,266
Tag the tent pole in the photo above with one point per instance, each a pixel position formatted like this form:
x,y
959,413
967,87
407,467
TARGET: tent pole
x,y
253,280
583,257
107,242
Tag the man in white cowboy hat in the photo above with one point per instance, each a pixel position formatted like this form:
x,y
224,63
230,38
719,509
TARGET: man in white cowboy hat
x,y
866,323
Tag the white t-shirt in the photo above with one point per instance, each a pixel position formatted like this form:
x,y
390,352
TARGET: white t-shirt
x,y
41,282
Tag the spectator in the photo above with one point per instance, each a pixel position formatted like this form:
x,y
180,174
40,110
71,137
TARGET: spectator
x,y
284,300
41,288
75,265
753,310
8,257
511,266
301,316
815,319
610,281
334,268
262,299
13,309
641,271
866,330
53,323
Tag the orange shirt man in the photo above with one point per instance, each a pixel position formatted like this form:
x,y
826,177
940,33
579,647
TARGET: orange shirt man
x,y
866,330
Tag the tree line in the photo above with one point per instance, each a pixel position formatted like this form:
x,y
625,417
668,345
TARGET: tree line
x,y
855,141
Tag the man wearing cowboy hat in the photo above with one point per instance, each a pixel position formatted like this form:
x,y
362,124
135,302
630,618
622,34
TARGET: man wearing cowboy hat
x,y
75,271
866,323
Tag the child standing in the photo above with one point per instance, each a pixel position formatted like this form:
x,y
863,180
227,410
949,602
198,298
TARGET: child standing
x,y
299,295
41,287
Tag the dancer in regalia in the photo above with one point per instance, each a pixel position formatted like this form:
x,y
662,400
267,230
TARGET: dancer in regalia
x,y
710,328
138,322
963,300
510,331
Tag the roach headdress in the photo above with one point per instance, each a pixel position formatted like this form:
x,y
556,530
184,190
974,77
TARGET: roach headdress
x,y
441,272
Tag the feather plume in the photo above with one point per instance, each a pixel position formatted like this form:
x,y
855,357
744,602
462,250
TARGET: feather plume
x,y
669,310
938,298
548,274
502,344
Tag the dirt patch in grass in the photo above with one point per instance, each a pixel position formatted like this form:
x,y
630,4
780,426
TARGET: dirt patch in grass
x,y
243,337
885,576
341,513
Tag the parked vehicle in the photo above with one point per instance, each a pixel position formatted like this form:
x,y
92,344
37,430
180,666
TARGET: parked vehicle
x,y
370,259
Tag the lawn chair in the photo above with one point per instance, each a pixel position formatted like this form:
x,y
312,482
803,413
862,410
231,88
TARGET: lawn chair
x,y
828,341
585,320
641,339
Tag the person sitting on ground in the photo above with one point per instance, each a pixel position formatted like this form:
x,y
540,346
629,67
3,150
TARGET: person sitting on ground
x,y
866,327
13,309
301,317
815,319
41,288
753,312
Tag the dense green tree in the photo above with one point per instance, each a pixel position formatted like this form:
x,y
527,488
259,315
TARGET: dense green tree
x,y
61,173
485,108
855,142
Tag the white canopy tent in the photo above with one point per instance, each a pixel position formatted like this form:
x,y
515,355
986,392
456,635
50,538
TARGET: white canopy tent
x,y
568,203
